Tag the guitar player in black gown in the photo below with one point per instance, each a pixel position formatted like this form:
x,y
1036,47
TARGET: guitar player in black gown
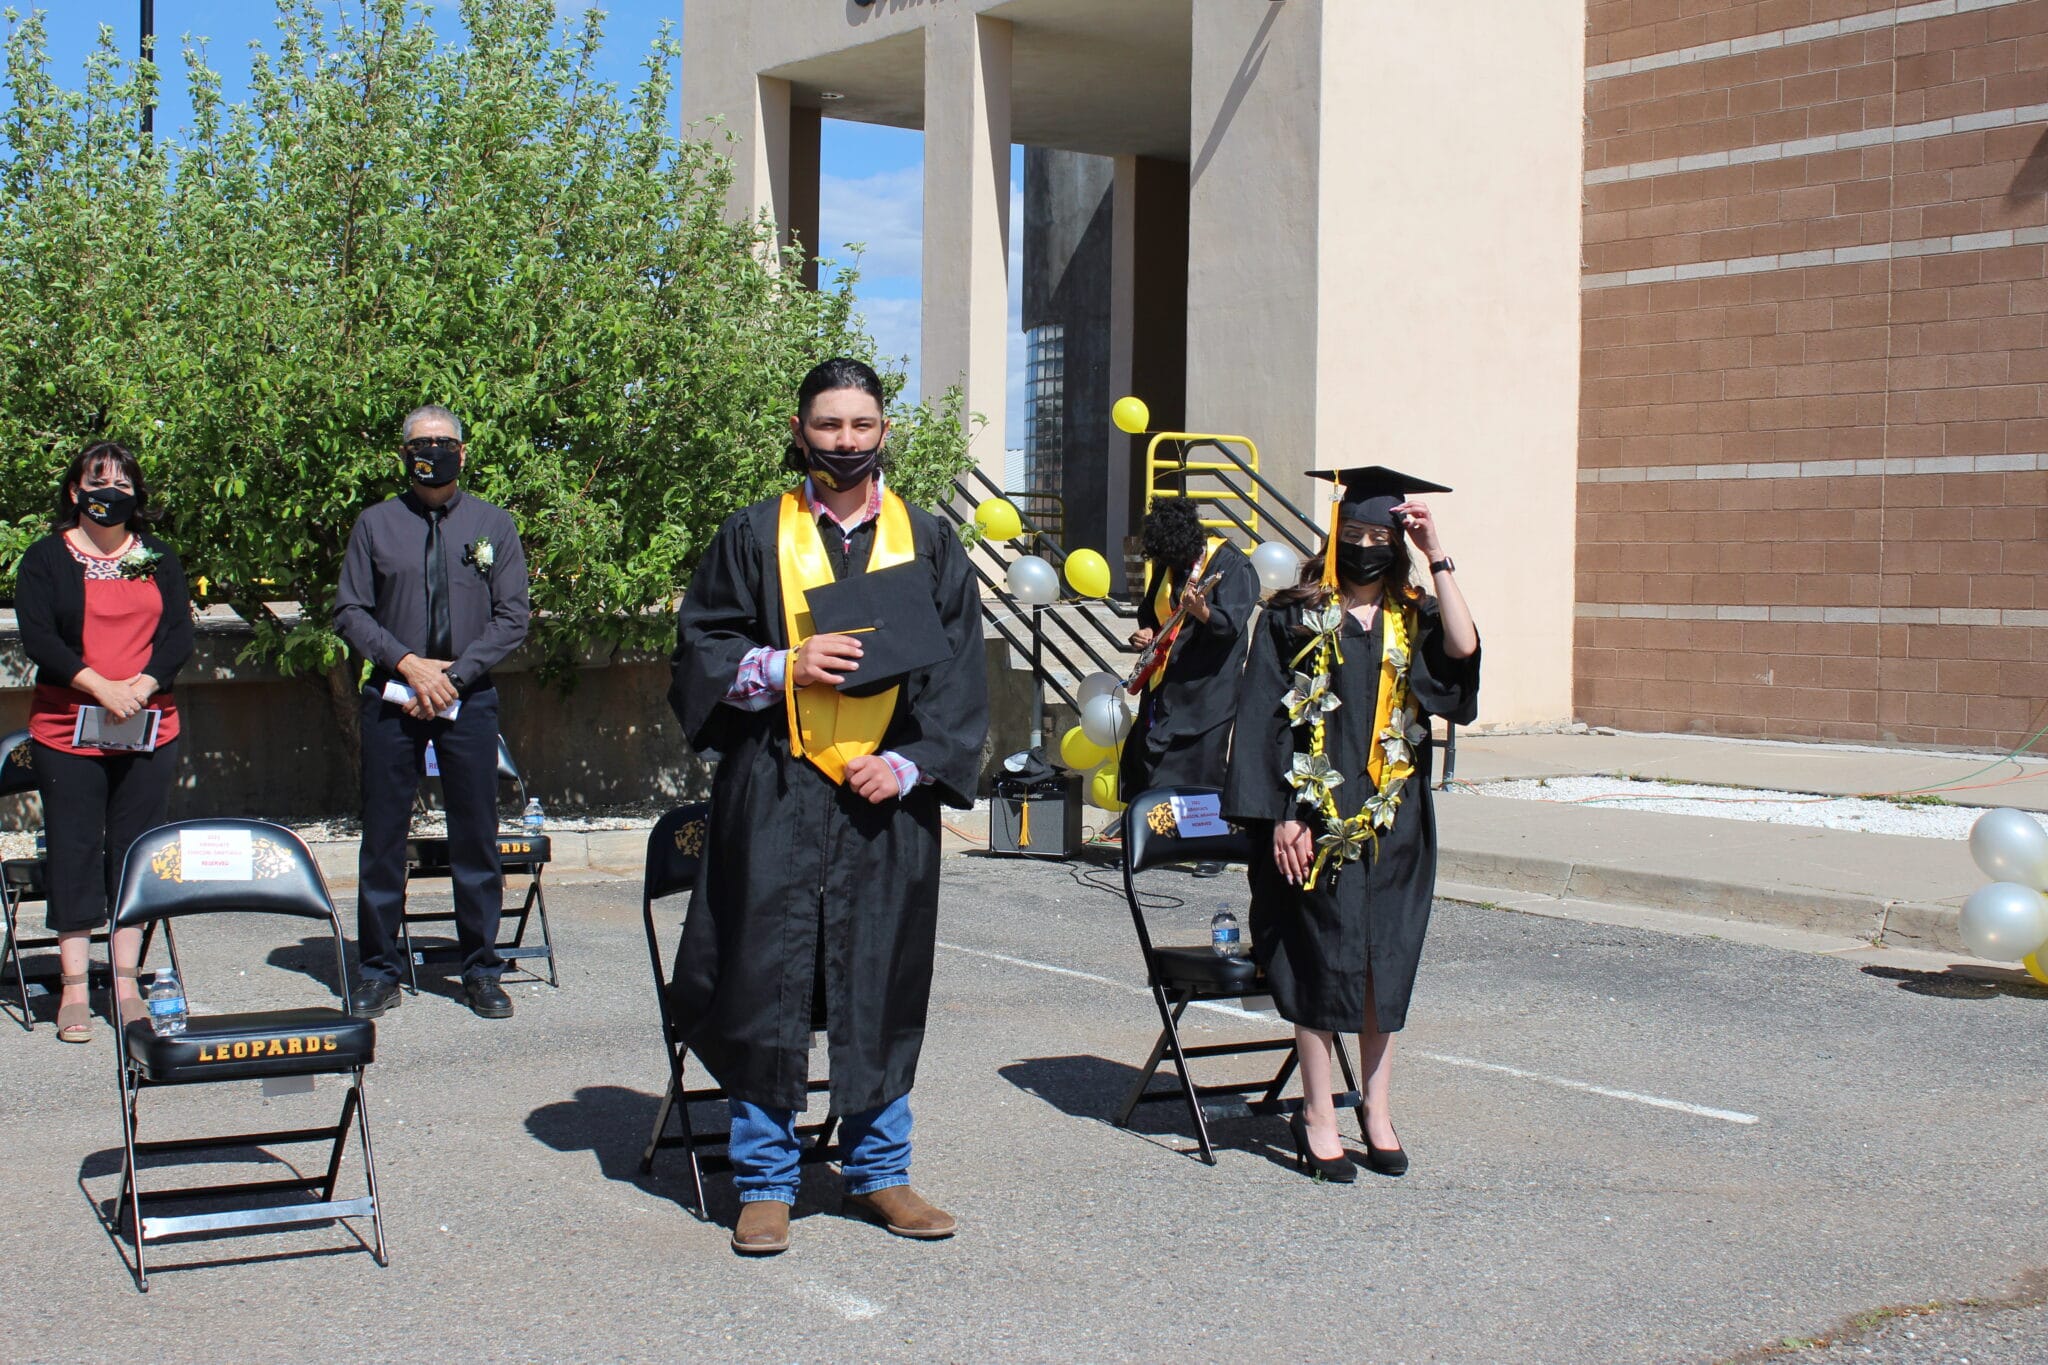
x,y
1181,736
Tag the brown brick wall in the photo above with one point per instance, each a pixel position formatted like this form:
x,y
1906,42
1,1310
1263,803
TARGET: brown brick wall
x,y
1939,356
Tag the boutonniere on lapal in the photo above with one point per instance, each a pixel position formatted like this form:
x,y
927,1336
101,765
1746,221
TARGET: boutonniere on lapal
x,y
480,554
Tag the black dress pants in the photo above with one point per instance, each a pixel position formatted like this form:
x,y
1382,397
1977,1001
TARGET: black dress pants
x,y
94,807
394,755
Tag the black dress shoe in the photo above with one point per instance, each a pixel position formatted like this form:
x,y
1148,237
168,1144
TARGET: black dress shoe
x,y
1386,1160
374,997
487,997
1337,1170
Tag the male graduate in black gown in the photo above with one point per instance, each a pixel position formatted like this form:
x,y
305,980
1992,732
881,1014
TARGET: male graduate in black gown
x,y
1331,767
821,871
1181,736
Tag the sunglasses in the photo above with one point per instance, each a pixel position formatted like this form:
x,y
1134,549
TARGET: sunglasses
x,y
431,445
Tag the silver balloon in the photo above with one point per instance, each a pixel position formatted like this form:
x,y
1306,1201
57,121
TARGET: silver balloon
x,y
1096,685
1033,581
1104,720
1276,566
2004,921
2011,846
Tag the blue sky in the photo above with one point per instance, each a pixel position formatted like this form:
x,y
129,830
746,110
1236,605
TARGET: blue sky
x,y
873,183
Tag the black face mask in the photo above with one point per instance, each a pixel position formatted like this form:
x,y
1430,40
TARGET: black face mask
x,y
433,462
1363,564
106,506
840,470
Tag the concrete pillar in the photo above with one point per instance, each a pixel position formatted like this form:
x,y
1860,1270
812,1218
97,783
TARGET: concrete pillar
x,y
766,152
1124,452
1253,246
800,228
967,220
1448,333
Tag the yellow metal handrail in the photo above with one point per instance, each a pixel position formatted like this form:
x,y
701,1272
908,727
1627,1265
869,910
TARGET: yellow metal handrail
x,y
1154,466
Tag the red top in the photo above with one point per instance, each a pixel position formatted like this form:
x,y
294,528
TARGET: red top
x,y
121,617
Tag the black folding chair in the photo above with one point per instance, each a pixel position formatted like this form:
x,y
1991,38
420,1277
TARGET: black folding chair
x,y
24,880
519,855
1180,977
675,849
191,868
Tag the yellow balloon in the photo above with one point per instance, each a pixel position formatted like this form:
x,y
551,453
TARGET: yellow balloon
x,y
998,519
1079,752
2036,965
1131,415
1088,573
1102,789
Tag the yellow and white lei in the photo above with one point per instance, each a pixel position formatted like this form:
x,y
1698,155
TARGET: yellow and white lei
x,y
1398,727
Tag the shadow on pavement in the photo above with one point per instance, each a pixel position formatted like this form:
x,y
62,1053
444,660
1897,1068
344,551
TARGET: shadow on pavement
x,y
1963,983
612,1123
1090,1087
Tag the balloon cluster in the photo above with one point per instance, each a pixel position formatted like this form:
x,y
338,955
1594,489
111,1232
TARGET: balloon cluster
x,y
1095,746
2007,921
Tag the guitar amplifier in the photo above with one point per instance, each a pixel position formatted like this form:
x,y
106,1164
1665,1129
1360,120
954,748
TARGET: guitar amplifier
x,y
1039,819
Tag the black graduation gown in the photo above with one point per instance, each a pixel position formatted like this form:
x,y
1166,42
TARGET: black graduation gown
x,y
1367,921
1181,736
805,884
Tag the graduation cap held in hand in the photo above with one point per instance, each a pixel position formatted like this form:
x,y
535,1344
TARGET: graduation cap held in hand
x,y
891,612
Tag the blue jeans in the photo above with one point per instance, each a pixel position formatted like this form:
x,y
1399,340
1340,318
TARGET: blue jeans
x,y
764,1150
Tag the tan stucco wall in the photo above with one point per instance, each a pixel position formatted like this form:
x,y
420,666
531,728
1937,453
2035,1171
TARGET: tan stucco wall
x,y
1448,326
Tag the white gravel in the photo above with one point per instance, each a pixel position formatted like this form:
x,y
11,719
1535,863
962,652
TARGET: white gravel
x,y
1742,803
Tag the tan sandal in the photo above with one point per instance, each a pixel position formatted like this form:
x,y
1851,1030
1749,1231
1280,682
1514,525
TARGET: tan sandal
x,y
74,1022
130,1011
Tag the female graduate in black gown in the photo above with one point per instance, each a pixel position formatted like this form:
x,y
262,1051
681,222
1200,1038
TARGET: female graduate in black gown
x,y
1331,763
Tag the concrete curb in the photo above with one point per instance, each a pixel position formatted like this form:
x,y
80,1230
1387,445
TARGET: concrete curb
x,y
1908,924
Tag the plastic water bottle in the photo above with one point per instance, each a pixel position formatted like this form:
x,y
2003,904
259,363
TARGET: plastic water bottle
x,y
167,1003
1223,935
533,820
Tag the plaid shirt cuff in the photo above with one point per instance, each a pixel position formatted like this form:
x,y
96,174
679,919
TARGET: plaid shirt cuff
x,y
759,683
907,775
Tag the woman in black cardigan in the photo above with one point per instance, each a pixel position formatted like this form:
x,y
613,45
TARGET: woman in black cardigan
x,y
106,619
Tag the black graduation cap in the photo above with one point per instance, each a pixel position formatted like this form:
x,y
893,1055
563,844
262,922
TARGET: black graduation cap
x,y
1371,492
893,615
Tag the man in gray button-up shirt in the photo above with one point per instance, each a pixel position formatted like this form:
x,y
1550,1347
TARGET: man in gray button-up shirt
x,y
433,593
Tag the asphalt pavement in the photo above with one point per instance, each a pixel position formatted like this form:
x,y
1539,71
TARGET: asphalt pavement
x,y
1628,1145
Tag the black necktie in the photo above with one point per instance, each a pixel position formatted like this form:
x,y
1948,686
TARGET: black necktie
x,y
440,631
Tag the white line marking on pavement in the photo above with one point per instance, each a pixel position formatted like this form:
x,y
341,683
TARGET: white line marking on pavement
x,y
852,1307
1655,1101
1046,967
1473,1063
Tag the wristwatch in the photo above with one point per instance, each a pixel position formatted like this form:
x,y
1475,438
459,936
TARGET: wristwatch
x,y
1444,565
456,680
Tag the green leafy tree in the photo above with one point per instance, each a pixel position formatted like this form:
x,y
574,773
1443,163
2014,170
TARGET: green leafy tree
x,y
390,220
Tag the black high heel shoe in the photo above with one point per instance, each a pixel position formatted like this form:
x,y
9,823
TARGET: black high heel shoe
x,y
1337,1170
1386,1160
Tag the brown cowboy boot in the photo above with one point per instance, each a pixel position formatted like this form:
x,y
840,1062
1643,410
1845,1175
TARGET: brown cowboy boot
x,y
763,1228
903,1211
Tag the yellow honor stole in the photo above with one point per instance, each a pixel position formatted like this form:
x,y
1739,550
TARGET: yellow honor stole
x,y
1162,600
1395,628
825,725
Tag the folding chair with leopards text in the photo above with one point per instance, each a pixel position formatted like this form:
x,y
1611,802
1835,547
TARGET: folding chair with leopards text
x,y
238,867
25,880
1179,977
519,855
675,849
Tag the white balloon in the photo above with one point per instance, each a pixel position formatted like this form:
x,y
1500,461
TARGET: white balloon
x,y
1033,581
1097,685
1104,720
2004,921
1276,566
2011,846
